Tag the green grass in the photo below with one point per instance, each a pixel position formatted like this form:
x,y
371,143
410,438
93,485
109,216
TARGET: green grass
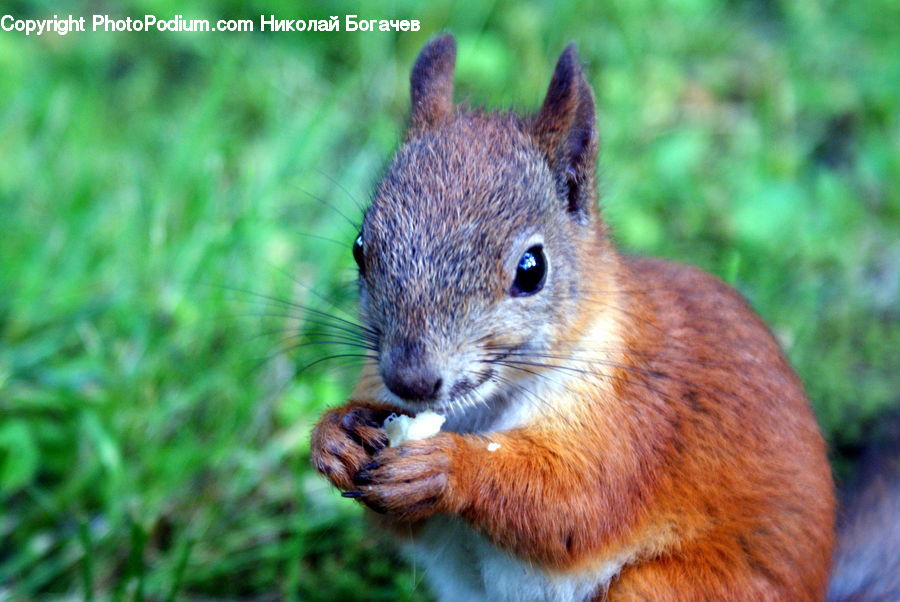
x,y
158,193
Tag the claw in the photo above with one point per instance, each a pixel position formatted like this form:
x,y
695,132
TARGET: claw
x,y
375,446
355,418
348,421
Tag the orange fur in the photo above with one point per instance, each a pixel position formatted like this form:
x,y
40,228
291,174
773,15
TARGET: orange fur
x,y
712,475
682,448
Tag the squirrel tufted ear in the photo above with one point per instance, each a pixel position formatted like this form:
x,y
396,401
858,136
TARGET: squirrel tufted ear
x,y
431,82
565,130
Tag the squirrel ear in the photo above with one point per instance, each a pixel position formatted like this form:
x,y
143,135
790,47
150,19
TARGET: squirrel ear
x,y
565,131
431,82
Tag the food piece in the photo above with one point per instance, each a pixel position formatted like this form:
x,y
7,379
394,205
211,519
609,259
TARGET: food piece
x,y
401,428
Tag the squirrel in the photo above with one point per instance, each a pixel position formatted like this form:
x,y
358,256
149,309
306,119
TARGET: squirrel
x,y
617,427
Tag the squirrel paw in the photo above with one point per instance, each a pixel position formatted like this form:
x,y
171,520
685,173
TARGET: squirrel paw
x,y
410,481
343,442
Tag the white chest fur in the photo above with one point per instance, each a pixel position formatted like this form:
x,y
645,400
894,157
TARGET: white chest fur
x,y
461,565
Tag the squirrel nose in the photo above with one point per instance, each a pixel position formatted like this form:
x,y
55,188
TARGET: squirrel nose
x,y
409,376
414,385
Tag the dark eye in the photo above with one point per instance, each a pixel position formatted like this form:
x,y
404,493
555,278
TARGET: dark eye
x,y
358,253
530,273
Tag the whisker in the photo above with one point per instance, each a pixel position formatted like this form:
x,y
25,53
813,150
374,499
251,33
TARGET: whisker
x,y
327,329
332,357
607,362
336,332
293,346
534,398
337,183
517,365
305,308
325,238
308,288
325,203
661,371
608,351
637,382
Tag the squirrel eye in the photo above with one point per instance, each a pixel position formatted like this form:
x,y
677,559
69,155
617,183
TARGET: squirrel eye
x,y
530,273
358,252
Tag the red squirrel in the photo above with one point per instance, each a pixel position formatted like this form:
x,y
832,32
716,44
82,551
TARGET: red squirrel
x,y
617,427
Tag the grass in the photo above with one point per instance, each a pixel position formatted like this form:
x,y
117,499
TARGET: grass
x,y
165,197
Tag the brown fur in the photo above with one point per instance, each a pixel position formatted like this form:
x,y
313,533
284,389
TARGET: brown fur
x,y
681,441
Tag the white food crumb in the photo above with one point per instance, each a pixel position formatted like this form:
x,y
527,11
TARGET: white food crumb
x,y
401,428
493,446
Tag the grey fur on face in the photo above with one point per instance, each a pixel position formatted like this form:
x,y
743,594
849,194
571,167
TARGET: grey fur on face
x,y
463,198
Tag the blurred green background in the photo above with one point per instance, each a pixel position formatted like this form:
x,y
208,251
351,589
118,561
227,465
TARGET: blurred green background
x,y
167,197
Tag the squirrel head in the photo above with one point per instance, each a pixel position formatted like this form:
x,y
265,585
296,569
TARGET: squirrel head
x,y
479,237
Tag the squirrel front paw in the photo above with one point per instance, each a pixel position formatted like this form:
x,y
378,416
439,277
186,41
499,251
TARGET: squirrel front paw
x,y
411,481
345,440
